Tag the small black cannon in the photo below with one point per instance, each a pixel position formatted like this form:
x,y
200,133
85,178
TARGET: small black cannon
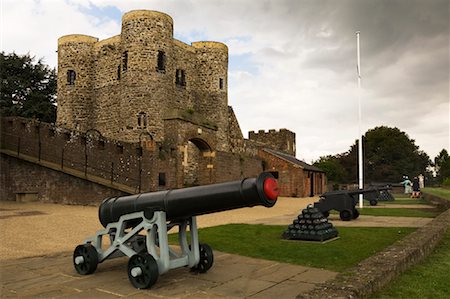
x,y
382,194
137,227
343,201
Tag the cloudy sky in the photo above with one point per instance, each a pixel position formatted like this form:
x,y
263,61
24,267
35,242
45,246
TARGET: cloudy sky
x,y
292,63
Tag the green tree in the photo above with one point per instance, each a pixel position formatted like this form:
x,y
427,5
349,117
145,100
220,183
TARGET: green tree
x,y
334,170
442,165
388,154
27,89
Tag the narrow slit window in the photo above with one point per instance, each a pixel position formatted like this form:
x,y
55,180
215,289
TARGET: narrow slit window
x,y
161,64
125,61
71,77
220,83
118,72
162,179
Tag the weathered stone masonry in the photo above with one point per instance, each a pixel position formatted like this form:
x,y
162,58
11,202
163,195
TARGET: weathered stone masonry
x,y
144,111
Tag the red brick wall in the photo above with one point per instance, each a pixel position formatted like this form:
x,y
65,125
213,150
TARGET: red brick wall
x,y
293,180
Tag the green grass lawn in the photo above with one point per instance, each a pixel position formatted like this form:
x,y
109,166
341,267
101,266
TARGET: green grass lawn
x,y
265,242
397,212
405,201
441,192
429,279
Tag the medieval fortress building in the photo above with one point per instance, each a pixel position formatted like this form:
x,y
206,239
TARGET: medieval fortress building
x,y
132,86
142,111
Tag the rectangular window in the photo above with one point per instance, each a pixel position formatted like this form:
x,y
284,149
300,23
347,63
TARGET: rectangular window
x,y
220,83
162,179
161,65
119,149
180,78
125,61
71,76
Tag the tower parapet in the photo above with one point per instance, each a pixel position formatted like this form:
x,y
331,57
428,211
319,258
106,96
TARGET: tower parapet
x,y
282,140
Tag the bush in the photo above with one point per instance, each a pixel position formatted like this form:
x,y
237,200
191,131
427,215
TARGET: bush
x,y
446,182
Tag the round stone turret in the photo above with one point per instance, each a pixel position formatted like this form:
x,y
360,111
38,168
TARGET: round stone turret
x,y
213,85
147,69
75,81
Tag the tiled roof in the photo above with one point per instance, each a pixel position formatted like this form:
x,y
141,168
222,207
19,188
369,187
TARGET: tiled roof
x,y
292,160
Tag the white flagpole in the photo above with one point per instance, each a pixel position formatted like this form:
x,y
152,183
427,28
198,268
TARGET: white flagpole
x,y
360,150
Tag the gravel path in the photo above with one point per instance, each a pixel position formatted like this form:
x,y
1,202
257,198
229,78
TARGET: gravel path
x,y
36,229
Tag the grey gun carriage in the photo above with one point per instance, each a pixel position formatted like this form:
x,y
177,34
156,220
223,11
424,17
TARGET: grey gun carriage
x,y
343,201
137,226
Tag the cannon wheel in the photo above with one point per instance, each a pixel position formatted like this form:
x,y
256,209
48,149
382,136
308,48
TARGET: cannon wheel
x,y
346,215
206,259
326,214
88,259
355,214
373,202
142,270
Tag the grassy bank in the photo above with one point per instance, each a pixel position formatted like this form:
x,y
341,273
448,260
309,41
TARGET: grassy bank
x,y
399,212
264,241
429,279
441,192
396,212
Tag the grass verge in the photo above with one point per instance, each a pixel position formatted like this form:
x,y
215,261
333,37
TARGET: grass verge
x,y
405,201
264,241
397,212
429,279
441,192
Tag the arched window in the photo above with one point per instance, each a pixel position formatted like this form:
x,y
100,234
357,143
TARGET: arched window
x,y
142,120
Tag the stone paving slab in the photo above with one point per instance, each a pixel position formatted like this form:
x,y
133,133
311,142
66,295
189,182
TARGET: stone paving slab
x,y
231,276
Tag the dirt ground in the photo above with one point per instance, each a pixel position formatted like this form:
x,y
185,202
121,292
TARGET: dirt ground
x,y
36,229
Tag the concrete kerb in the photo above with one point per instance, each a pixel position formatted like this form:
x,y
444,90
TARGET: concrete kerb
x,y
377,271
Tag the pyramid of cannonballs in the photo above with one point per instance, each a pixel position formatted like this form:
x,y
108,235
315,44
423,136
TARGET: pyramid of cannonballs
x,y
310,225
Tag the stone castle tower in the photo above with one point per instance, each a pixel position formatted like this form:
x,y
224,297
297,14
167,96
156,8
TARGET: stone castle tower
x,y
143,86
128,85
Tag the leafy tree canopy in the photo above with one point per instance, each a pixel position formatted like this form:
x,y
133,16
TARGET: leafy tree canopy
x,y
27,88
442,165
388,155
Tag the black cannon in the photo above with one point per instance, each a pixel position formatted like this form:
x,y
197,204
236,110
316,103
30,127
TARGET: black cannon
x,y
343,201
137,227
382,194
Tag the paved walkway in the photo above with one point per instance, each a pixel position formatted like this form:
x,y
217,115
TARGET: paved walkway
x,y
231,276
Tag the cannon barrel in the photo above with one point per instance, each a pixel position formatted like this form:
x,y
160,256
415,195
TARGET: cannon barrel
x,y
194,201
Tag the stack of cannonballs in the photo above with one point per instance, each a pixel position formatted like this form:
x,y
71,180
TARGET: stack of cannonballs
x,y
310,225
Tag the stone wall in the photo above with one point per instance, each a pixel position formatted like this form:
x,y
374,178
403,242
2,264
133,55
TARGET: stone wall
x,y
282,140
135,167
20,177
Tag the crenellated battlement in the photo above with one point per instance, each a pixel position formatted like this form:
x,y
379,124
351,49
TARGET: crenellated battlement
x,y
282,139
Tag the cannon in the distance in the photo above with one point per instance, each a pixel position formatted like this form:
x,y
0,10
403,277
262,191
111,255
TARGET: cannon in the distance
x,y
343,201
382,194
137,227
